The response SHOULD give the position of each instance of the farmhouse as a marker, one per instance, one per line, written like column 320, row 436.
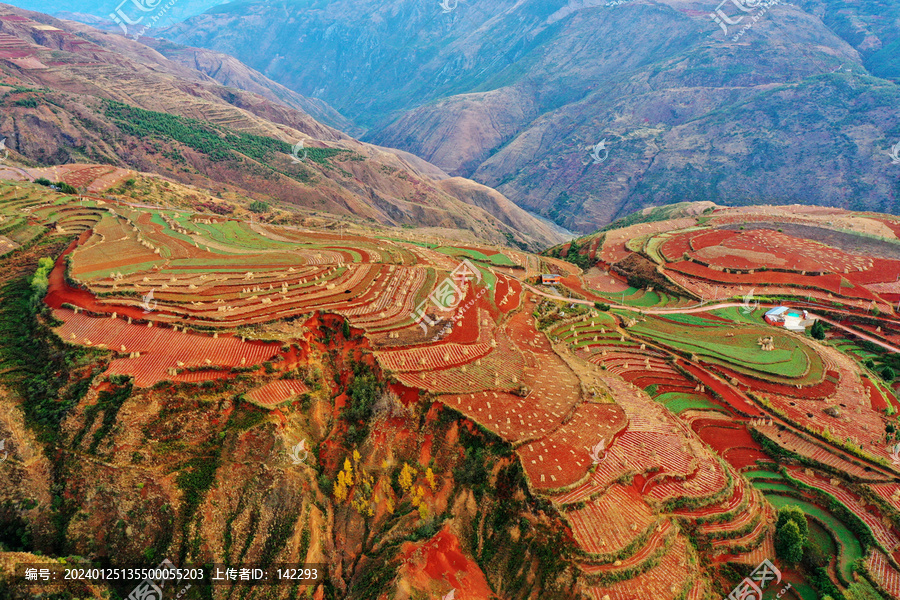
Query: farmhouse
column 789, row 318
column 550, row 279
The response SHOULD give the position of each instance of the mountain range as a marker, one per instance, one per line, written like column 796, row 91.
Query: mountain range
column 75, row 94
column 792, row 103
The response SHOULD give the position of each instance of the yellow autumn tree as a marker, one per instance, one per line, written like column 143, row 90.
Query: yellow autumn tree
column 348, row 469
column 429, row 477
column 407, row 475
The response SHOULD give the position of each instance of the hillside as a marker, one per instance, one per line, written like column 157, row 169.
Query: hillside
column 422, row 419
column 73, row 94
column 796, row 108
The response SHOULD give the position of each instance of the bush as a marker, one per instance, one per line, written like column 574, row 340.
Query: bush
column 818, row 330
column 791, row 533
column 259, row 206
column 601, row 306
column 65, row 188
column 43, row 181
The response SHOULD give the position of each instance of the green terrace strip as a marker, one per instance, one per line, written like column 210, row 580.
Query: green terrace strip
column 217, row 143
column 851, row 550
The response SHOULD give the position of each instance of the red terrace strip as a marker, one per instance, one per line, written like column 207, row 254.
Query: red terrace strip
column 611, row 522
column 875, row 395
column 884, row 573
column 722, row 435
column 657, row 582
column 824, row 389
column 161, row 348
column 729, row 396
column 654, row 544
column 277, row 392
column 829, row 283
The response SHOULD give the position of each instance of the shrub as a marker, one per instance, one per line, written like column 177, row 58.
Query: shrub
column 818, row 330
column 791, row 532
column 258, row 206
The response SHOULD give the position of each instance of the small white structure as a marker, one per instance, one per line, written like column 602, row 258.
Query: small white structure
column 789, row 318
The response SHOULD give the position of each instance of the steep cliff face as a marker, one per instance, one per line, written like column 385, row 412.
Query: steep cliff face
column 518, row 95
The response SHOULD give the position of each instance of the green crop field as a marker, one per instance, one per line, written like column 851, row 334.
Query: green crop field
column 678, row 402
column 498, row 259
column 790, row 362
column 851, row 550
column 755, row 474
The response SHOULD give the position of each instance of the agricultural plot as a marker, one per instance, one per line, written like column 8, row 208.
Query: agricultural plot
column 851, row 550
column 275, row 393
column 670, row 578
column 612, row 522
column 153, row 354
column 882, row 532
column 884, row 573
column 739, row 349
column 817, row 453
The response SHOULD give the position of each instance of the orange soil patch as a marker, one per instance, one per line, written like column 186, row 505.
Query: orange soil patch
column 439, row 565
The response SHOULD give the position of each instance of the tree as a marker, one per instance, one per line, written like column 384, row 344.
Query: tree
column 791, row 532
column 258, row 206
column 818, row 330
column 346, row 329
column 601, row 306
column 888, row 374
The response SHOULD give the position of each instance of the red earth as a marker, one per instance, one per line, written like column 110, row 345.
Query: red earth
column 439, row 566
